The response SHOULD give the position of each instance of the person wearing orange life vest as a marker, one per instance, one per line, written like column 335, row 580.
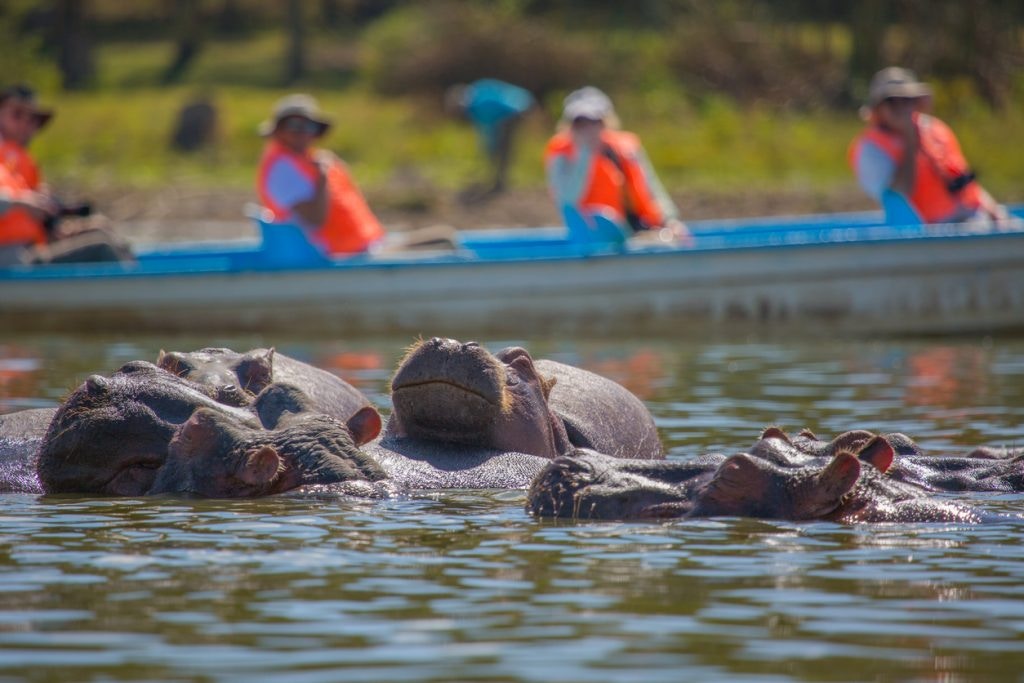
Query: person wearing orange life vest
column 24, row 205
column 910, row 162
column 595, row 170
column 29, row 229
column 310, row 187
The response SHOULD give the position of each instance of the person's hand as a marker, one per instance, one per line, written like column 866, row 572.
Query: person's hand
column 676, row 231
column 39, row 206
column 902, row 120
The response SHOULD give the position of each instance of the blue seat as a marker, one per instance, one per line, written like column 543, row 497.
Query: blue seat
column 285, row 245
column 594, row 230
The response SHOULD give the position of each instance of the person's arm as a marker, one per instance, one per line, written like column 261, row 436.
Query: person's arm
column 290, row 188
column 38, row 206
column 905, row 173
column 313, row 211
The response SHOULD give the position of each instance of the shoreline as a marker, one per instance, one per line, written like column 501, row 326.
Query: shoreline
column 184, row 212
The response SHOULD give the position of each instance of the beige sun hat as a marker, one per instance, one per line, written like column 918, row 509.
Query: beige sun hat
column 895, row 81
column 587, row 103
column 299, row 104
column 26, row 94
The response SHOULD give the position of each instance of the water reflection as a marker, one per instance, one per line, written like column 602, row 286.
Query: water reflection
column 462, row 585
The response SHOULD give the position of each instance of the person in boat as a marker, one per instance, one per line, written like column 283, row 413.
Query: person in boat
column 910, row 162
column 301, row 184
column 601, row 179
column 31, row 227
column 495, row 108
column 310, row 187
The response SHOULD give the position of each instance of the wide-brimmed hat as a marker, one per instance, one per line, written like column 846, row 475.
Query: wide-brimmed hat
column 587, row 103
column 28, row 95
column 304, row 106
column 895, row 81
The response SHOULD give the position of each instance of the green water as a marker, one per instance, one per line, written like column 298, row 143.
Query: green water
column 464, row 586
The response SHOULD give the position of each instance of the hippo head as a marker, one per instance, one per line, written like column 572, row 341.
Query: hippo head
column 777, row 447
column 746, row 486
column 229, row 377
column 589, row 485
column 454, row 392
column 111, row 435
column 586, row 484
column 214, row 454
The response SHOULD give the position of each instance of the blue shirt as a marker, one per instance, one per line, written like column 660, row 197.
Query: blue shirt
column 489, row 102
column 287, row 185
column 875, row 170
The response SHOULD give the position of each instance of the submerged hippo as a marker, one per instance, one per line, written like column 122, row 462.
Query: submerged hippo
column 846, row 489
column 464, row 417
column 214, row 454
column 982, row 469
column 21, row 437
column 112, row 435
column 236, row 378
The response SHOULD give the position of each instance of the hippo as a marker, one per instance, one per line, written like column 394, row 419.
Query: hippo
column 236, row 378
column 213, row 454
column 21, row 436
column 111, row 436
column 847, row 489
column 466, row 418
column 983, row 468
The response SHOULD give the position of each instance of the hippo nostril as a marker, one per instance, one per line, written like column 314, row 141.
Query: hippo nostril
column 436, row 341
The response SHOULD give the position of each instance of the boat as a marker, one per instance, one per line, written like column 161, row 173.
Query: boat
column 835, row 274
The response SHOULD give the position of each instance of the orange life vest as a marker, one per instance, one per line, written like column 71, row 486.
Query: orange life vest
column 349, row 227
column 940, row 168
column 19, row 162
column 16, row 225
column 617, row 181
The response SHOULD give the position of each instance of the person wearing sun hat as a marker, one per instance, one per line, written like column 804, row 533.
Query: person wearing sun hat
column 31, row 229
column 596, row 171
column 910, row 162
column 310, row 187
column 24, row 196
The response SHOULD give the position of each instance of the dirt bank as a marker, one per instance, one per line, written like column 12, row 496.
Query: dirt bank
column 185, row 212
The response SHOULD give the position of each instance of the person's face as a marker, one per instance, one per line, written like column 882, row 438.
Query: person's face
column 894, row 110
column 586, row 132
column 18, row 121
column 297, row 133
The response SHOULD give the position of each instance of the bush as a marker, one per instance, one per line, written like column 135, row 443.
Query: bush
column 426, row 47
column 745, row 62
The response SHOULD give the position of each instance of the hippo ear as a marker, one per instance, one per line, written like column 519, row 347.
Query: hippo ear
column 171, row 362
column 260, row 466
column 734, row 482
column 774, row 432
column 878, row 452
column 364, row 425
column 256, row 370
column 841, row 474
column 807, row 434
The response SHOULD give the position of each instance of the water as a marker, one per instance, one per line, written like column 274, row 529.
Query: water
column 464, row 586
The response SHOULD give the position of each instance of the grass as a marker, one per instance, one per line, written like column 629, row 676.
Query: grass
column 118, row 134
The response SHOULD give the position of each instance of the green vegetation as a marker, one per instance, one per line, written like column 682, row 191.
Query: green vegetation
column 715, row 107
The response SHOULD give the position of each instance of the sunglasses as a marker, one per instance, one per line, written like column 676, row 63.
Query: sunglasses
column 301, row 126
column 899, row 101
column 21, row 113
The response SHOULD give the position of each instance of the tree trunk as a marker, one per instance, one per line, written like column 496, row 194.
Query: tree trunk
column 295, row 66
column 188, row 24
column 74, row 56
column 867, row 33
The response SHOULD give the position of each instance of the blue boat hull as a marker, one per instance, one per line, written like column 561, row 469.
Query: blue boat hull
column 835, row 274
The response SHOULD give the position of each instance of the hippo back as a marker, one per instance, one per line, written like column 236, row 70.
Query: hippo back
column 21, row 436
column 601, row 414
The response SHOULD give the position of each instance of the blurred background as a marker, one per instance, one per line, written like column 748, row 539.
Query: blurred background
column 746, row 107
